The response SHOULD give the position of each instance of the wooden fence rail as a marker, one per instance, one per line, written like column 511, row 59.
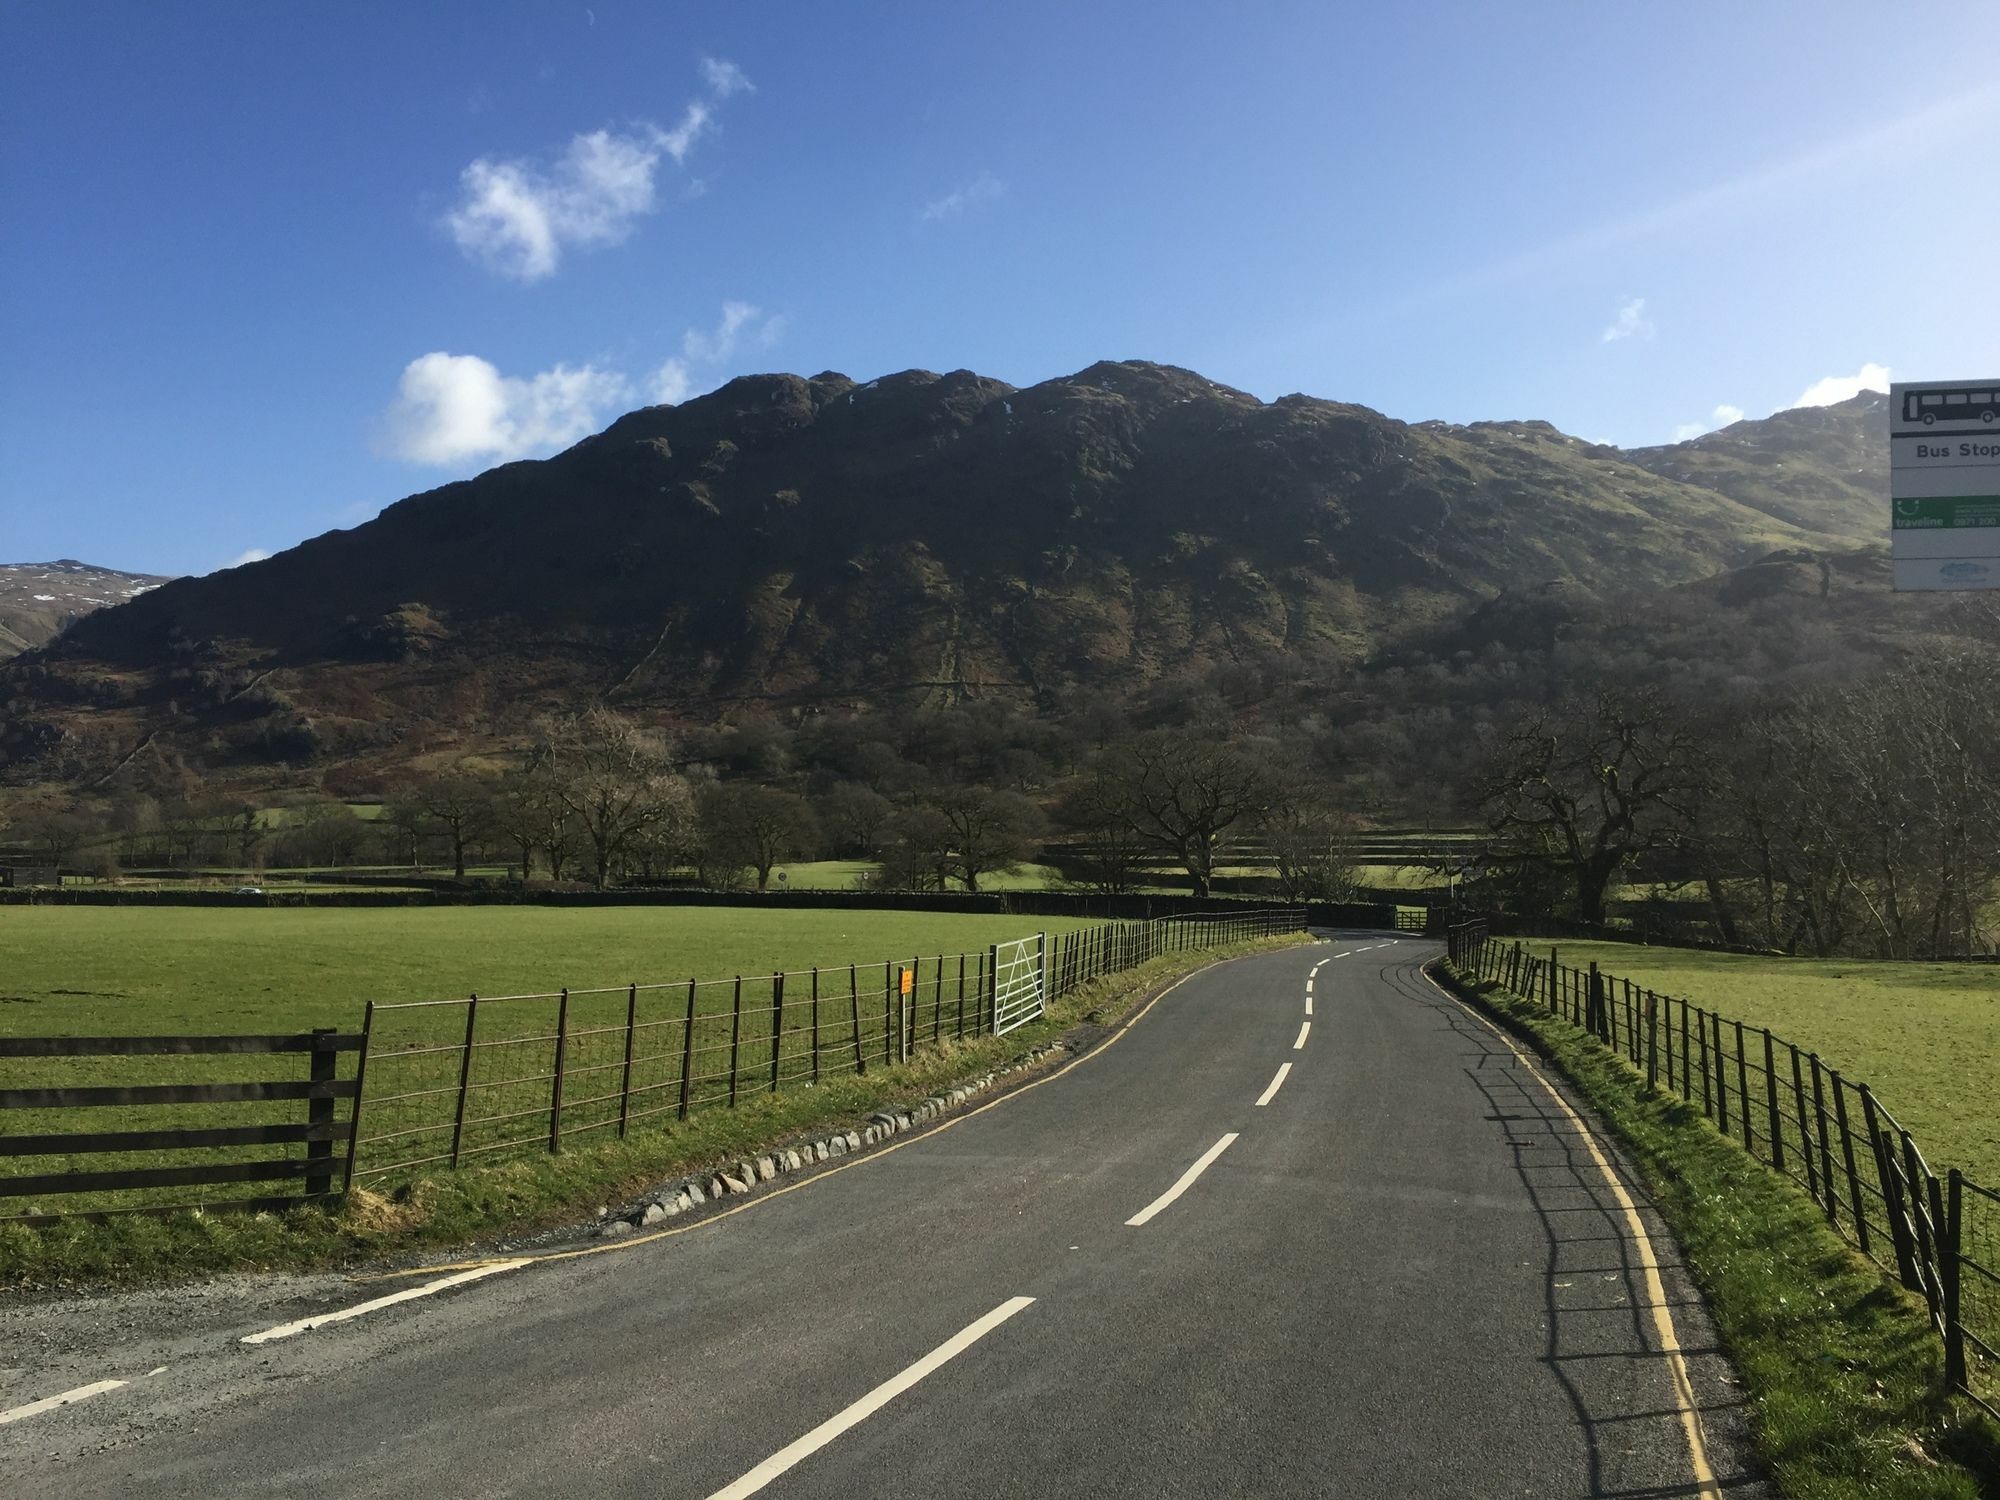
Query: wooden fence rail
column 320, row 1131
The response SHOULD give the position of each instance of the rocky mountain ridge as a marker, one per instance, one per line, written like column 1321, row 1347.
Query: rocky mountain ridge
column 918, row 538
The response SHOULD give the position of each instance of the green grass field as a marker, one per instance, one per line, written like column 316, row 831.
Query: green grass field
column 1924, row 1036
column 87, row 970
column 111, row 971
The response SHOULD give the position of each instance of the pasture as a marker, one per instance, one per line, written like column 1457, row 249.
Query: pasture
column 131, row 971
column 1924, row 1036
column 112, row 970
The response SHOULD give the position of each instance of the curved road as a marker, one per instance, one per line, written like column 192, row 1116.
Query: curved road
column 1406, row 1269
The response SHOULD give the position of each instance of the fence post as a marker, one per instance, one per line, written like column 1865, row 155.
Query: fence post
column 854, row 1009
column 360, row 1079
column 1921, row 1226
column 687, row 1054
column 777, row 1024
column 1825, row 1154
column 1701, row 1030
column 1721, row 1079
column 464, row 1076
column 1857, row 1210
column 937, row 1001
column 1743, row 1091
column 892, row 1020
column 1805, row 1129
column 324, row 1069
column 992, row 989
column 1774, row 1114
column 961, row 997
column 1954, row 1331
column 625, row 1079
column 1687, row 1058
column 735, row 1037
column 815, row 1006
column 1652, row 1040
column 556, row 1084
column 1899, row 1231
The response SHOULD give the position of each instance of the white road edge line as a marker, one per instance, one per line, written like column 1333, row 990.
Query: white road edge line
column 67, row 1398
column 1276, row 1083
column 790, row 1455
column 307, row 1325
column 1187, row 1178
column 1304, row 1027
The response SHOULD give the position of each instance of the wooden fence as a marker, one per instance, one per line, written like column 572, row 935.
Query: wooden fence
column 200, row 1128
column 1795, row 1112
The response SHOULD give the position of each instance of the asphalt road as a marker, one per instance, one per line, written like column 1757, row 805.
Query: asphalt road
column 1409, row 1273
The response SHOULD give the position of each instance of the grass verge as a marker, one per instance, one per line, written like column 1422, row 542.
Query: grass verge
column 538, row 1191
column 1843, row 1376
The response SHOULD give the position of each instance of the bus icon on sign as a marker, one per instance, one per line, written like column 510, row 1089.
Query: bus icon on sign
column 1929, row 407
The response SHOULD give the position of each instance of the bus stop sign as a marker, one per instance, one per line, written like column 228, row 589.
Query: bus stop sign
column 1944, row 484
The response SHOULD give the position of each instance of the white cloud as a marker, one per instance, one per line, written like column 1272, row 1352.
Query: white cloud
column 249, row 555
column 1631, row 322
column 725, row 78
column 1722, row 416
column 695, row 119
column 519, row 216
column 518, row 219
column 454, row 408
column 1870, row 377
column 982, row 189
column 738, row 319
column 671, row 384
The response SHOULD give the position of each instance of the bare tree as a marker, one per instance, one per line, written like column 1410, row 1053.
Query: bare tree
column 616, row 778
column 755, row 826
column 986, row 832
column 460, row 804
column 1181, row 791
column 1589, row 784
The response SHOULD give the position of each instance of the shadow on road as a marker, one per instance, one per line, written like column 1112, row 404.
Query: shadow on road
column 1601, row 1347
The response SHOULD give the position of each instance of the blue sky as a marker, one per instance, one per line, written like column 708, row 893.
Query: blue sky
column 268, row 268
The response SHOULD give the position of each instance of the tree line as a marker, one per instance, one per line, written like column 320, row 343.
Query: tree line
column 605, row 798
column 1858, row 816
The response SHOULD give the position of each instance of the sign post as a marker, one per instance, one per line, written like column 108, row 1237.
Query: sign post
column 1944, row 484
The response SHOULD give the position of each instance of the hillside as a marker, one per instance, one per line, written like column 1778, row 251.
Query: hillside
column 38, row 599
column 1815, row 466
column 921, row 537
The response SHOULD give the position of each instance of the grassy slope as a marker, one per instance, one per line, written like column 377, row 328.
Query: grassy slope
column 84, row 970
column 1840, row 1367
column 1925, row 1037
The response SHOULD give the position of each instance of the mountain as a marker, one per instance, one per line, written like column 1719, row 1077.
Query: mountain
column 917, row 538
column 38, row 599
column 1813, row 466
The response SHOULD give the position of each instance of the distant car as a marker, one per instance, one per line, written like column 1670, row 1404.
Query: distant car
column 249, row 890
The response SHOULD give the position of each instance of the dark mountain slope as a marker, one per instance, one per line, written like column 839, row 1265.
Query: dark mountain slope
column 921, row 534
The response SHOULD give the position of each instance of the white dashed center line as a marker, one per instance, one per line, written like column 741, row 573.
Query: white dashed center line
column 1186, row 1181
column 66, row 1398
column 1304, row 1027
column 307, row 1325
column 1275, row 1084
column 792, row 1454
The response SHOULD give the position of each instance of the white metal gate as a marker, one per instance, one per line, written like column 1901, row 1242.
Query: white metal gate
column 1020, row 990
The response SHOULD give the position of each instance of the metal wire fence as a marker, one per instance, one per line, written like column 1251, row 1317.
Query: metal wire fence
column 446, row 1082
column 1798, row 1114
